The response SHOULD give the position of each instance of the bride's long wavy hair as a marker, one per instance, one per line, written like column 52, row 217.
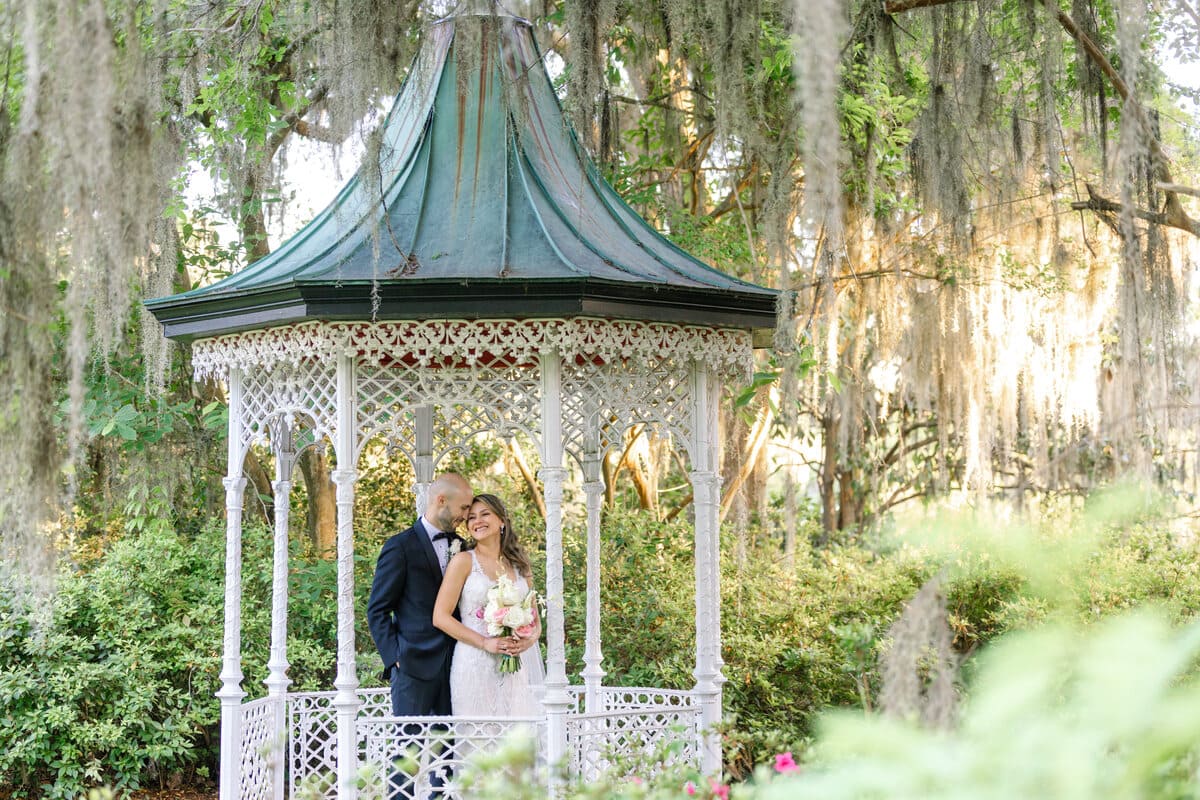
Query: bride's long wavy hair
column 510, row 544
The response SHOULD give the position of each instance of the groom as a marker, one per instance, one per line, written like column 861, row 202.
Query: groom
column 416, row 655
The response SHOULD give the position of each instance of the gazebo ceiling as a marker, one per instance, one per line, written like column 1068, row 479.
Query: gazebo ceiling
column 483, row 205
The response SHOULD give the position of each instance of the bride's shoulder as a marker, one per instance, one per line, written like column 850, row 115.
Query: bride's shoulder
column 460, row 560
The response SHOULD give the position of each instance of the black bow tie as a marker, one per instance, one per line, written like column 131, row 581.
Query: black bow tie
column 443, row 535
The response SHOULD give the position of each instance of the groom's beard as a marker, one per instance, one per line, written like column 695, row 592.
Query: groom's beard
column 445, row 521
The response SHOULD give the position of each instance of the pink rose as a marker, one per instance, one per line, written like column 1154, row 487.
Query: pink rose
column 479, row 613
column 719, row 789
column 526, row 631
column 499, row 614
column 689, row 789
column 784, row 763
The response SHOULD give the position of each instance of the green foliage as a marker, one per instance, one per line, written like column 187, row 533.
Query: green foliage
column 1111, row 713
column 1056, row 713
column 113, row 680
column 795, row 641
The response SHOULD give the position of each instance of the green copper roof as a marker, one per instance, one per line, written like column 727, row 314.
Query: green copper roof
column 483, row 205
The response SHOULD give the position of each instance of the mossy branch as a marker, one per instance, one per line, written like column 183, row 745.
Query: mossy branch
column 1173, row 214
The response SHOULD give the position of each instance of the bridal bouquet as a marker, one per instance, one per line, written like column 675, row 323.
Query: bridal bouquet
column 508, row 613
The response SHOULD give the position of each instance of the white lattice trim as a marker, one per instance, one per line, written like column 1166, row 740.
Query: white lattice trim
column 467, row 342
column 638, row 721
column 260, row 743
column 597, row 742
column 428, row 756
column 618, row 698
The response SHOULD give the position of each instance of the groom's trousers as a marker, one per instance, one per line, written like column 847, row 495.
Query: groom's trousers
column 414, row 697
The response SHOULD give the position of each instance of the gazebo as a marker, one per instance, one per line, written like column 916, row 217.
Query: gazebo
column 477, row 277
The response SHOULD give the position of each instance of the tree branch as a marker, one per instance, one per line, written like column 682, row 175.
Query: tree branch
column 731, row 200
column 1178, row 188
column 1103, row 205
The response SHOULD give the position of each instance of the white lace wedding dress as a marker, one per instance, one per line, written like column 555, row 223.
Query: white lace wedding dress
column 477, row 687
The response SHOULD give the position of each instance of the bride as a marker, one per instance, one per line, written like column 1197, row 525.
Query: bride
column 477, row 686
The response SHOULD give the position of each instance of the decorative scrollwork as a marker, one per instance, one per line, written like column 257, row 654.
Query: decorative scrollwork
column 475, row 377
column 455, row 343
column 502, row 398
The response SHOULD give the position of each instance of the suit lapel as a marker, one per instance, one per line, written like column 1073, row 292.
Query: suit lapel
column 427, row 548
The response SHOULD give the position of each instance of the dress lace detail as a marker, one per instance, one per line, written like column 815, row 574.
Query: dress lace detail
column 477, row 687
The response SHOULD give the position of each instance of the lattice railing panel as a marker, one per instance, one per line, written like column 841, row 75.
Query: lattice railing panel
column 376, row 703
column 617, row 698
column 420, row 755
column 596, row 742
column 312, row 755
column 636, row 721
column 260, row 745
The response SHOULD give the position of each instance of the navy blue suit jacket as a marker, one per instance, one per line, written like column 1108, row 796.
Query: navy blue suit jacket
column 400, row 610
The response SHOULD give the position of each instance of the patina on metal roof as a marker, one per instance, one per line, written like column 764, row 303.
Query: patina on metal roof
column 484, row 205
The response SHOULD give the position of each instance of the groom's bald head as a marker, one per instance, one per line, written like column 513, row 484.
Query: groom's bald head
column 447, row 501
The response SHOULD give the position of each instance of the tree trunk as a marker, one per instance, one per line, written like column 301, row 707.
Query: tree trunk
column 829, row 498
column 747, row 459
column 518, row 458
column 321, row 519
column 261, row 500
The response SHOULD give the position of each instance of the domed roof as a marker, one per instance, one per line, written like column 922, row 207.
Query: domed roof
column 481, row 204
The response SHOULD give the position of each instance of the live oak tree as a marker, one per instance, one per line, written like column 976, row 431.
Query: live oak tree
column 980, row 212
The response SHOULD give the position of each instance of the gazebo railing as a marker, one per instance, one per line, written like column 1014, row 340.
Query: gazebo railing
column 260, row 748
column 633, row 722
column 419, row 753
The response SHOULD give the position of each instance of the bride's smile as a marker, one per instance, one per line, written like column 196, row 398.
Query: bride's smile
column 482, row 523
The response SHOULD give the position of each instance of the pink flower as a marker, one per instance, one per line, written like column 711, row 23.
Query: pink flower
column 499, row 614
column 784, row 763
column 689, row 789
column 479, row 613
column 526, row 631
column 719, row 789
column 636, row 781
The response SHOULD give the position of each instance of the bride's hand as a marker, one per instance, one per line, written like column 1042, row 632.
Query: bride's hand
column 491, row 644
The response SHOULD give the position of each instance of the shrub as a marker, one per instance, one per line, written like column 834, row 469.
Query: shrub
column 112, row 679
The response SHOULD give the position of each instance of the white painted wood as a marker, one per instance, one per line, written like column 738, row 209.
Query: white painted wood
column 277, row 680
column 593, row 674
column 421, row 386
column 346, row 699
column 231, row 692
column 553, row 475
column 705, row 486
column 423, row 459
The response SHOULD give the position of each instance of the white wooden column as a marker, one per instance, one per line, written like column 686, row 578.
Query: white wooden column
column 346, row 701
column 706, row 488
column 557, row 701
column 593, row 674
column 277, row 680
column 423, row 462
column 231, row 693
